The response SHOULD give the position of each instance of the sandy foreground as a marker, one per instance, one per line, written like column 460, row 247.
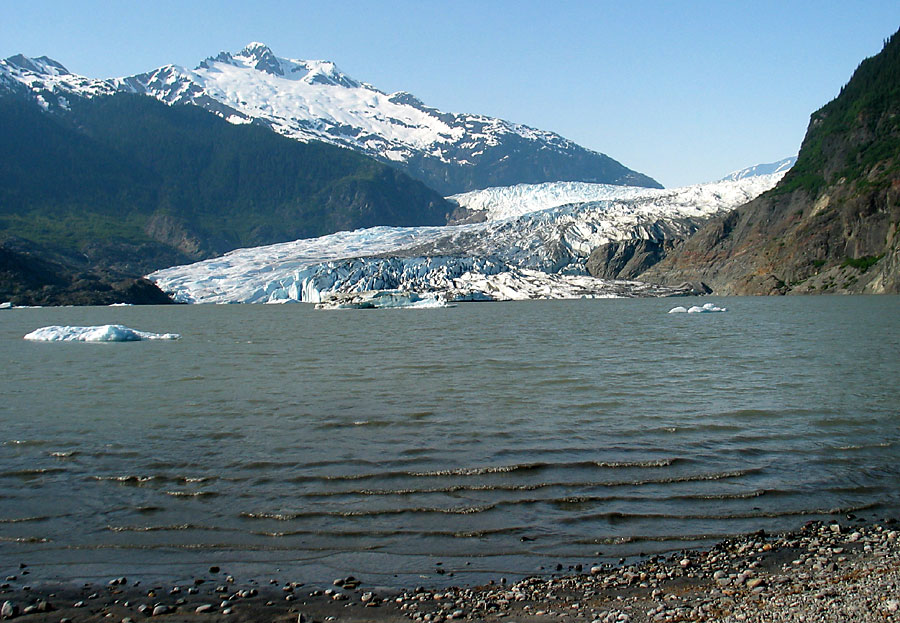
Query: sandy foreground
column 824, row 572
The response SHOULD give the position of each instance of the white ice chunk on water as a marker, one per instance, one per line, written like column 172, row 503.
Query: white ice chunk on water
column 382, row 299
column 101, row 333
column 706, row 308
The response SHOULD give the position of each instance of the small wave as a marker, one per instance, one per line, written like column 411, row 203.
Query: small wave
column 28, row 473
column 489, row 469
column 64, row 455
column 464, row 510
column 194, row 479
column 149, row 509
column 169, row 528
column 24, row 539
column 356, row 534
column 191, row 494
column 365, row 462
column 524, row 467
column 673, row 538
column 536, row 486
column 372, row 423
column 884, row 444
column 26, row 442
column 125, row 480
column 615, row 516
column 12, row 520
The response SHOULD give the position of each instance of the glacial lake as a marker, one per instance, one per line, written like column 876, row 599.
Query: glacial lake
column 439, row 446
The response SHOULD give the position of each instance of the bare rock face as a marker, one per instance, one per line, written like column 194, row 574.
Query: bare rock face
column 626, row 259
column 842, row 241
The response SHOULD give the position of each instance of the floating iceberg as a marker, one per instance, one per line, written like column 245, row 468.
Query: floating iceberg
column 382, row 299
column 102, row 333
column 707, row 308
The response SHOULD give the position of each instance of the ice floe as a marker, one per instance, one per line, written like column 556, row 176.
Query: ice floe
column 696, row 309
column 101, row 333
column 382, row 299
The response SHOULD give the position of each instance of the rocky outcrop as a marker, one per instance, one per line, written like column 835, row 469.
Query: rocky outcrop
column 626, row 259
column 833, row 222
column 26, row 279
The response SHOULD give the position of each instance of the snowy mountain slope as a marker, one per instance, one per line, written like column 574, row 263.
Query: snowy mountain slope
column 538, row 253
column 47, row 82
column 314, row 100
column 781, row 166
column 513, row 201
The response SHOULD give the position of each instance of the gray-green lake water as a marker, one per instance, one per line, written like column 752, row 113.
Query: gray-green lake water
column 496, row 439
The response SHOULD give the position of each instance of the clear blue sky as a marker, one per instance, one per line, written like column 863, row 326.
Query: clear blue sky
column 684, row 91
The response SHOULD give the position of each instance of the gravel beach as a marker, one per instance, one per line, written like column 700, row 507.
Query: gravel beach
column 823, row 572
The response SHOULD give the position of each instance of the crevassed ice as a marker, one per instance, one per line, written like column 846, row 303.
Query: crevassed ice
column 100, row 333
column 538, row 253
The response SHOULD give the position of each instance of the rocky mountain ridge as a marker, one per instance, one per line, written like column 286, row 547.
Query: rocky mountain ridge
column 314, row 100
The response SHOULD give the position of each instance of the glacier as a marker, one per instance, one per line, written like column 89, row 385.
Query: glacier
column 533, row 242
column 100, row 333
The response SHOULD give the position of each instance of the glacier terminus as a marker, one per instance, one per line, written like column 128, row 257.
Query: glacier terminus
column 532, row 242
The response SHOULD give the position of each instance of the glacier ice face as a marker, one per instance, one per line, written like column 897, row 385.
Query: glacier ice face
column 540, row 252
column 101, row 333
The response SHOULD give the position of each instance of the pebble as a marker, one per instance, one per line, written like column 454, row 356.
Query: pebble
column 813, row 574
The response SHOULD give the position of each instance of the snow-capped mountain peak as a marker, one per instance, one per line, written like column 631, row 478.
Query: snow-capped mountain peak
column 47, row 82
column 260, row 57
column 780, row 166
column 42, row 65
column 314, row 100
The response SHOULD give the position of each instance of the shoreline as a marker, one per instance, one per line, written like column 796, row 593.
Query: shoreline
column 827, row 571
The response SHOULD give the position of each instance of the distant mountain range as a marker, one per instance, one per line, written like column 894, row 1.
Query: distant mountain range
column 780, row 166
column 314, row 100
